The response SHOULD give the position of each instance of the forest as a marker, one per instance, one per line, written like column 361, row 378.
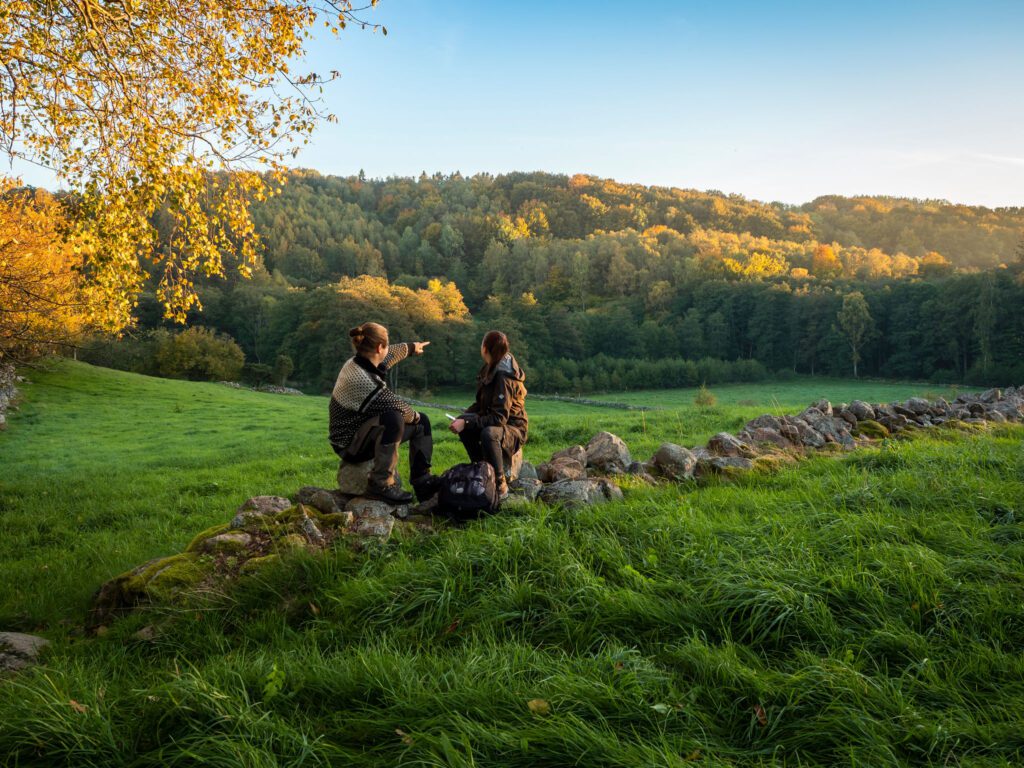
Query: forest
column 605, row 286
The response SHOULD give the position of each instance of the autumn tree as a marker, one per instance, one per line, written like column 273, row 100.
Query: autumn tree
column 856, row 324
column 143, row 106
column 42, row 302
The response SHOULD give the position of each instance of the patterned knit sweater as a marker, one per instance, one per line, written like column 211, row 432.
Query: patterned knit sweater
column 361, row 393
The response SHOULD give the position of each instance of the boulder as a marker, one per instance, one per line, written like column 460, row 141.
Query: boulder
column 805, row 434
column 831, row 429
column 353, row 478
column 232, row 541
column 528, row 471
column 724, row 444
column 608, row 453
column 364, row 508
column 765, row 435
column 258, row 507
column 674, row 462
column 576, row 453
column 918, row 405
column 1008, row 410
column 991, row 396
column 321, row 499
column 561, row 468
column 765, row 421
column 861, row 410
column 575, row 493
column 824, row 406
column 310, row 529
column 527, row 488
column 375, row 527
column 848, row 416
column 18, row 651
column 722, row 465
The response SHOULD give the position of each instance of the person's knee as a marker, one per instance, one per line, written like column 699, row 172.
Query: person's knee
column 424, row 423
column 392, row 423
column 492, row 435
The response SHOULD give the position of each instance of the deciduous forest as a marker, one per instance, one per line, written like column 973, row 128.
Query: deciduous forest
column 607, row 286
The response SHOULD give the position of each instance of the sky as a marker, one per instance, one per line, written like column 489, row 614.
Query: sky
column 775, row 100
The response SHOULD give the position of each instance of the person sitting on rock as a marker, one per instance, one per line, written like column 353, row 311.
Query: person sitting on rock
column 369, row 421
column 496, row 423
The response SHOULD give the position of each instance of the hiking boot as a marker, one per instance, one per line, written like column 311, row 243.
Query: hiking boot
column 392, row 494
column 426, row 487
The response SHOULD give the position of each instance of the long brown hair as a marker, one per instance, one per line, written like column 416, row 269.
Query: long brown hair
column 367, row 337
column 496, row 344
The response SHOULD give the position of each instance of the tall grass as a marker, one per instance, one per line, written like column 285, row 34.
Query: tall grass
column 860, row 610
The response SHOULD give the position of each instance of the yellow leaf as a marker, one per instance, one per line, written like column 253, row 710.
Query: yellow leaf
column 539, row 706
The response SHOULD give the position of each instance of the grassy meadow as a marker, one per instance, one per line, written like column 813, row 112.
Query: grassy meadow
column 866, row 609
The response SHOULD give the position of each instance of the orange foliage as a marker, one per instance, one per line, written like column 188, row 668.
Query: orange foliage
column 42, row 304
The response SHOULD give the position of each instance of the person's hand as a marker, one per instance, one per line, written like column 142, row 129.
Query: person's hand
column 419, row 346
column 457, row 426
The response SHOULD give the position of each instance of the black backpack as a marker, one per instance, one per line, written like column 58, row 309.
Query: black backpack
column 468, row 491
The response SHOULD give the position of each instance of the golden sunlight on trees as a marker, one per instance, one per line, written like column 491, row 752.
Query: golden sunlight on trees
column 42, row 304
column 143, row 106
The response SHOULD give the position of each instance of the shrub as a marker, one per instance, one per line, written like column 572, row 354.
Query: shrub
column 704, row 398
column 199, row 354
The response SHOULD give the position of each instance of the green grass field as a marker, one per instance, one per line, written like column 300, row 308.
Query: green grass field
column 860, row 610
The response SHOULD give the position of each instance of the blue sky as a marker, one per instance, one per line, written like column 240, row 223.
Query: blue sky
column 772, row 100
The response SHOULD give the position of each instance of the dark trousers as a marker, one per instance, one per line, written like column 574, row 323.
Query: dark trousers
column 490, row 444
column 390, row 430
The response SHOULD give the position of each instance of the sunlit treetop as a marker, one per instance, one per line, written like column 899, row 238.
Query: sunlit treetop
column 138, row 104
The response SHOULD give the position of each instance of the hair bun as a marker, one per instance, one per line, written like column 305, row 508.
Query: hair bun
column 356, row 332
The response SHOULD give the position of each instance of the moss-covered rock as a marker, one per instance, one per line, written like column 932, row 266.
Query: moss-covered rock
column 871, row 429
column 209, row 533
column 255, row 564
column 171, row 578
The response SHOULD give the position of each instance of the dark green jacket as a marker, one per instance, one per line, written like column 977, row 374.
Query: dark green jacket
column 500, row 398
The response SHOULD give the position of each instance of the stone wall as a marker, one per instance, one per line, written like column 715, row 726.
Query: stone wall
column 264, row 528
column 8, row 391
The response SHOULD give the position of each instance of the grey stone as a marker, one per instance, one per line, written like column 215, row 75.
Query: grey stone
column 561, row 468
column 848, row 416
column 364, row 508
column 1009, row 410
column 995, row 416
column 674, row 461
column 574, row 493
column 830, row 428
column 765, row 421
column 353, row 479
column 527, row 488
column 824, row 406
column 311, row 530
column 806, row 435
column 257, row 507
column 863, row 411
column 18, row 650
column 764, row 435
column 326, row 501
column 716, row 465
column 375, row 527
column 990, row 396
column 528, row 471
column 576, row 452
column 230, row 540
column 607, row 453
column 918, row 405
column 724, row 444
